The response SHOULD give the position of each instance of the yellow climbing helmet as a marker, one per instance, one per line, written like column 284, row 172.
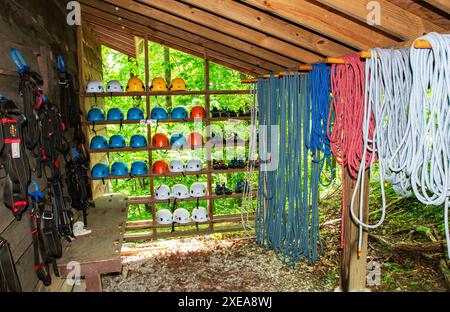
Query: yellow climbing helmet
column 159, row 85
column 135, row 85
column 178, row 84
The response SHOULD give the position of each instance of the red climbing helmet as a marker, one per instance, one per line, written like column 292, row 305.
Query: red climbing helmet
column 195, row 140
column 160, row 167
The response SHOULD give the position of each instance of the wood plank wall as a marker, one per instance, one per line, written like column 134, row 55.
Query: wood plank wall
column 39, row 30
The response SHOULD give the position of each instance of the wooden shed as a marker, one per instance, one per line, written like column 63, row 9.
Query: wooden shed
column 261, row 39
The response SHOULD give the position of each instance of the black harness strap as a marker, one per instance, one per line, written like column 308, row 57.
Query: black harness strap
column 8, row 275
column 14, row 159
column 41, row 258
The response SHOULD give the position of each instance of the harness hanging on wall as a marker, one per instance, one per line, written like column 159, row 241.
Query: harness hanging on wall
column 285, row 221
column 13, row 158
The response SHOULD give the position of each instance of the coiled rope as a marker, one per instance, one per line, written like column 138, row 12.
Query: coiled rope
column 347, row 110
column 286, row 219
column 430, row 124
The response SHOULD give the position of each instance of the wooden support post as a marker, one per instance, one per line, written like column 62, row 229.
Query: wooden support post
column 149, row 132
column 208, row 147
column 354, row 267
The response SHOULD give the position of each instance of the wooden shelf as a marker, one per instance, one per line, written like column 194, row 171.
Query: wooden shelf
column 173, row 174
column 168, row 93
column 151, row 148
column 165, row 121
column 142, row 200
column 148, row 224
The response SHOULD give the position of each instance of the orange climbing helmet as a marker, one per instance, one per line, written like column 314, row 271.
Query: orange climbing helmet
column 159, row 84
column 178, row 84
column 160, row 167
column 198, row 112
column 195, row 140
column 135, row 85
column 160, row 140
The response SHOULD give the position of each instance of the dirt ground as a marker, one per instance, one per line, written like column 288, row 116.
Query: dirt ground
column 212, row 263
column 235, row 262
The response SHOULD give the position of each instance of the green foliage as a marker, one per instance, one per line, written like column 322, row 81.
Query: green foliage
column 117, row 66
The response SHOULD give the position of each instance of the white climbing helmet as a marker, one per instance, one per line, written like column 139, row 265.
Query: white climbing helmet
column 180, row 191
column 114, row 86
column 199, row 214
column 162, row 192
column 198, row 189
column 181, row 216
column 176, row 165
column 195, row 164
column 164, row 217
column 94, row 86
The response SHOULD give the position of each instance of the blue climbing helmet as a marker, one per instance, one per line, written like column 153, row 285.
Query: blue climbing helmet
column 180, row 112
column 100, row 171
column 135, row 113
column 159, row 113
column 139, row 168
column 115, row 114
column 138, row 140
column 99, row 142
column 119, row 169
column 117, row 141
column 178, row 140
column 96, row 114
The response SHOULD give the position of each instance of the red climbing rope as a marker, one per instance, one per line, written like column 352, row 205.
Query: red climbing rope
column 347, row 108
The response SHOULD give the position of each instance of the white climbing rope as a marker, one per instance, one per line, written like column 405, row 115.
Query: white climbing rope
column 410, row 102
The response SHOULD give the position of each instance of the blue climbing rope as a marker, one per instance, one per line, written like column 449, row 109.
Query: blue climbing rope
column 287, row 219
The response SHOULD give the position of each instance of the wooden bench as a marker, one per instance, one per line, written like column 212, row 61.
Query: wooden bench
column 99, row 252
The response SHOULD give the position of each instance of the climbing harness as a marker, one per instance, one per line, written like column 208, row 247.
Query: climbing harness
column 13, row 158
column 36, row 208
column 30, row 88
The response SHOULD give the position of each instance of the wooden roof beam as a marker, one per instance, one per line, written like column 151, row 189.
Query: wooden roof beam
column 323, row 21
column 273, row 26
column 195, row 39
column 393, row 19
column 204, row 32
column 236, row 30
column 443, row 5
column 98, row 17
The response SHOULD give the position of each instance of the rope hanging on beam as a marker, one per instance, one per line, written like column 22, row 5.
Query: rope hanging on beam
column 347, row 110
column 287, row 219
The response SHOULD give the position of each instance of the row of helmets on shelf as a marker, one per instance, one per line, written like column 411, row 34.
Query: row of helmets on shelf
column 120, row 169
column 135, row 84
column 180, row 191
column 181, row 216
column 159, row 140
column 136, row 113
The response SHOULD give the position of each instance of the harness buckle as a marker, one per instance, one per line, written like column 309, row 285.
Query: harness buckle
column 47, row 215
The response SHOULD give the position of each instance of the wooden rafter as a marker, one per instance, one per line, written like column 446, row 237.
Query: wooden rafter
column 393, row 19
column 233, row 29
column 158, row 26
column 204, row 32
column 324, row 21
column 272, row 25
column 443, row 5
column 142, row 31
